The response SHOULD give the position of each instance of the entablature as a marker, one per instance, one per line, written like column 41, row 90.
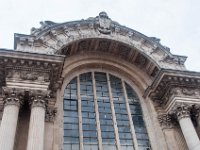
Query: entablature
column 172, row 86
column 30, row 70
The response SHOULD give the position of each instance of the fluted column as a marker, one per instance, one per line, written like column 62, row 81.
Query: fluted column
column 36, row 126
column 9, row 122
column 187, row 127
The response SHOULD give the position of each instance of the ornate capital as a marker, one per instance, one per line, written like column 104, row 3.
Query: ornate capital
column 13, row 97
column 182, row 111
column 38, row 101
column 166, row 121
column 50, row 114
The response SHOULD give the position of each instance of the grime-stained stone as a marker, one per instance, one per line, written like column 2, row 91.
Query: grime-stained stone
column 35, row 74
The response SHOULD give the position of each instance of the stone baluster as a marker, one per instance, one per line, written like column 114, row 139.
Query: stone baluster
column 36, row 125
column 9, row 122
column 187, row 127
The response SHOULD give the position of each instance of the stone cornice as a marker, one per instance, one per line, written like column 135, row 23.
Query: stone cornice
column 52, row 37
column 166, row 81
column 21, row 67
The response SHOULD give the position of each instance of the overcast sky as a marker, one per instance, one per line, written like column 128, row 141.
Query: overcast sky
column 175, row 22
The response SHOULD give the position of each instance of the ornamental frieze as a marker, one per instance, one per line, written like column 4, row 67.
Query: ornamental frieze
column 28, row 75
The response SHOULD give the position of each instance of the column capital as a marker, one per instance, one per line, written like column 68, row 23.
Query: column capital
column 38, row 98
column 181, row 110
column 13, row 97
column 50, row 114
column 38, row 101
column 167, row 121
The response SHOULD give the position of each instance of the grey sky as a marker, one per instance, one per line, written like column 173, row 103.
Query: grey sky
column 175, row 22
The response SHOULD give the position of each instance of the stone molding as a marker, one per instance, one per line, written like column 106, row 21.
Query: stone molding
column 171, row 83
column 52, row 37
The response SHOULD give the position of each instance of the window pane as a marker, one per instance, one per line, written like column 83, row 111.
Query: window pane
column 137, row 117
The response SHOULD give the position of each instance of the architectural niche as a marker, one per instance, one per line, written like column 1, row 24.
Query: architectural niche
column 95, row 84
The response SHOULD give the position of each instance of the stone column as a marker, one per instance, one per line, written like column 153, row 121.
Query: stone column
column 9, row 122
column 36, row 125
column 187, row 127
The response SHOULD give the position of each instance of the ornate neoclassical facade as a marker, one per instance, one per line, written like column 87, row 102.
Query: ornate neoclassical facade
column 96, row 85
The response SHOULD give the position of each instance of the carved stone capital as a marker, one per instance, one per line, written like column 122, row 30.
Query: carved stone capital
column 182, row 111
column 50, row 114
column 38, row 101
column 167, row 121
column 13, row 97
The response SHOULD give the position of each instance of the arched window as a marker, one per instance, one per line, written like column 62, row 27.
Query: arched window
column 101, row 110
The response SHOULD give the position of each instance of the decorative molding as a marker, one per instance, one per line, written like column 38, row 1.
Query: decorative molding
column 174, row 85
column 97, row 27
column 27, row 75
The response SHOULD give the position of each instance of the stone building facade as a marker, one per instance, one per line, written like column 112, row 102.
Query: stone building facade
column 94, row 84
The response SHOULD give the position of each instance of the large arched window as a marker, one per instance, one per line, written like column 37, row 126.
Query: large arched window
column 101, row 111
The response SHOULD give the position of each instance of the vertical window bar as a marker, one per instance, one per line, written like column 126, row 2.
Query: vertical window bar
column 113, row 114
column 97, row 113
column 130, row 118
column 79, row 114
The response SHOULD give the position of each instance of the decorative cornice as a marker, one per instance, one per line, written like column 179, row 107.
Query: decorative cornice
column 19, row 66
column 99, row 27
column 170, row 83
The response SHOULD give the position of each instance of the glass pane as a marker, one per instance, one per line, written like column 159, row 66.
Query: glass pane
column 121, row 113
column 105, row 115
column 137, row 117
column 71, row 130
column 88, row 112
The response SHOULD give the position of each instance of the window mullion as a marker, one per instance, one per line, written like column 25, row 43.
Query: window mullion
column 135, row 143
column 113, row 114
column 97, row 113
column 80, row 114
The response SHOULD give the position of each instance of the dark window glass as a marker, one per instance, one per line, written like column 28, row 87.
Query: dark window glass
column 88, row 110
column 140, row 128
column 71, row 131
column 120, row 111
column 71, row 120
